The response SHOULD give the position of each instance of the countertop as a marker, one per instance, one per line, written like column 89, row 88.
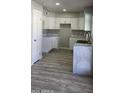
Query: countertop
column 50, row 36
column 82, row 44
column 78, row 37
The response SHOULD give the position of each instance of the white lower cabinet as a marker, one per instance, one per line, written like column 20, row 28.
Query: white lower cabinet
column 49, row 43
column 55, row 42
column 45, row 44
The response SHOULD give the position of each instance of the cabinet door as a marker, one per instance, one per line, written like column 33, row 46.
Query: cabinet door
column 49, row 44
column 46, row 23
column 74, row 23
column 56, row 42
column 81, row 23
column 51, row 23
column 57, row 23
column 68, row 20
column 44, row 19
column 52, row 42
column 45, row 45
column 62, row 20
column 65, row 20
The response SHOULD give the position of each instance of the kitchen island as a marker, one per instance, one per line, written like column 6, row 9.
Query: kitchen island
column 82, row 59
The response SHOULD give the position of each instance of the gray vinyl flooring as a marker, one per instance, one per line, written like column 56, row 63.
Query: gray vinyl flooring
column 53, row 74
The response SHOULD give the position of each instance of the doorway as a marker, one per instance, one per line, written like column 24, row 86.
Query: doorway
column 65, row 33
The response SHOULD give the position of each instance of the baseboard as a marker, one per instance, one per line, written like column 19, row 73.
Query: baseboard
column 64, row 48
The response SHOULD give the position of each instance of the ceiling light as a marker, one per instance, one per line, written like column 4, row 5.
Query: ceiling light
column 57, row 3
column 64, row 10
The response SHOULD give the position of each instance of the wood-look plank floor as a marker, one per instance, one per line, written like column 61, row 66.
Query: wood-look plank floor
column 54, row 73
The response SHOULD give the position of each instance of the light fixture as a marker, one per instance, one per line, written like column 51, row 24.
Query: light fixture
column 57, row 3
column 64, row 10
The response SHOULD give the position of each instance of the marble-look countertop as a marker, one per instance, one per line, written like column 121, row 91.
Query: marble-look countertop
column 82, row 44
column 50, row 36
column 78, row 37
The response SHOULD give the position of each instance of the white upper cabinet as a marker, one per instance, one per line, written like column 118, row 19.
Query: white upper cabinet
column 65, row 21
column 57, row 23
column 68, row 20
column 74, row 23
column 62, row 20
column 46, row 22
column 81, row 23
column 49, row 22
column 77, row 23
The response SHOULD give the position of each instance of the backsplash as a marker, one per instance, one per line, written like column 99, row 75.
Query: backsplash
column 50, row 32
column 87, row 35
column 77, row 33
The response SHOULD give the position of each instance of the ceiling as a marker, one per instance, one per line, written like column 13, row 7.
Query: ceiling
column 70, row 5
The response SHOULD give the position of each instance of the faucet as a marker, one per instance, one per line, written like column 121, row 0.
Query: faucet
column 81, row 33
column 89, row 37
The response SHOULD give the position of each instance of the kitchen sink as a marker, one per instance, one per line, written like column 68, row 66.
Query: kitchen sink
column 83, row 41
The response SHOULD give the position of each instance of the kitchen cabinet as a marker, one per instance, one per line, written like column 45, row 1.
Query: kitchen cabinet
column 61, row 21
column 65, row 21
column 74, row 23
column 68, row 20
column 49, row 43
column 57, row 23
column 46, row 44
column 49, row 23
column 55, row 41
column 54, row 23
column 46, row 22
column 81, row 23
